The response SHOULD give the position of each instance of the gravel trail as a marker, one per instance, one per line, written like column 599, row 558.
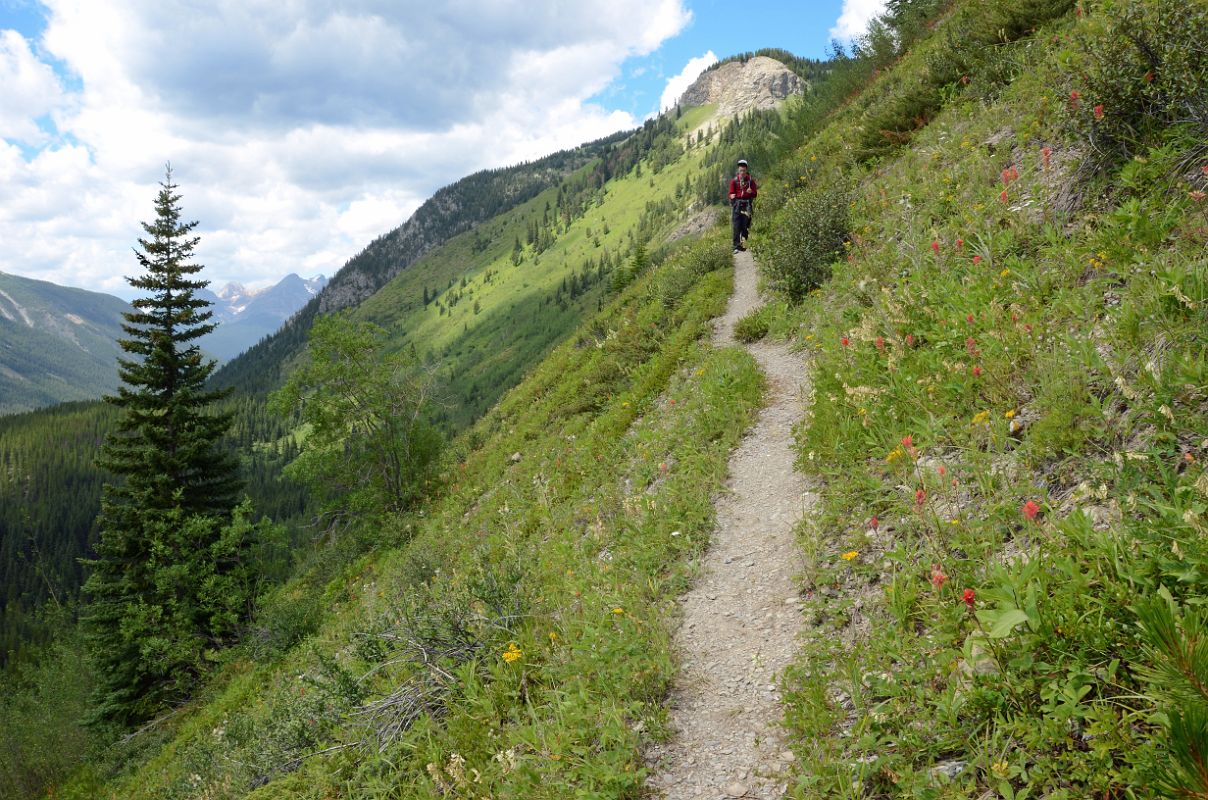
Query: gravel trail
column 741, row 620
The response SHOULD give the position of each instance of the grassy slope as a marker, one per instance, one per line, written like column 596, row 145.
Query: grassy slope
column 1036, row 356
column 484, row 352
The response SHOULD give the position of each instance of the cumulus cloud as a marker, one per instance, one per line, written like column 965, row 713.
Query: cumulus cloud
column 29, row 90
column 297, row 131
column 854, row 18
column 679, row 84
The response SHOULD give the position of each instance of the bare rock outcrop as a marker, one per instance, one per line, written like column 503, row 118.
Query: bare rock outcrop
column 739, row 86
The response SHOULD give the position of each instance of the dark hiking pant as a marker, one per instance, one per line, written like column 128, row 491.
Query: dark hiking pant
column 740, row 220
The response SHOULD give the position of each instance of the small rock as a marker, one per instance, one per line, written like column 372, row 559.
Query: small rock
column 788, row 757
column 792, row 601
column 949, row 769
column 736, row 789
column 515, row 458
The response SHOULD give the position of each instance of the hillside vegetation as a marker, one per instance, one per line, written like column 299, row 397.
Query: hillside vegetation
column 987, row 228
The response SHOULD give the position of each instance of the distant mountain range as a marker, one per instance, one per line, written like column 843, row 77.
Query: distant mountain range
column 245, row 316
column 58, row 343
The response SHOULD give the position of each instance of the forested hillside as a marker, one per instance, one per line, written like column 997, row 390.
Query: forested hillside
column 986, row 227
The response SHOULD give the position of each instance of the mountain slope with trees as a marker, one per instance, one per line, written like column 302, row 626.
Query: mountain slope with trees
column 986, row 226
column 56, row 343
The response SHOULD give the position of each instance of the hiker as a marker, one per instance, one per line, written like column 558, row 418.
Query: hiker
column 742, row 204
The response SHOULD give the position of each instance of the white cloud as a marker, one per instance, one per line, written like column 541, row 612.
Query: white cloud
column 28, row 90
column 854, row 18
column 298, row 132
column 679, row 84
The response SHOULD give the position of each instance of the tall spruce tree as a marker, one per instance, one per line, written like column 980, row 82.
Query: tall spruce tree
column 170, row 577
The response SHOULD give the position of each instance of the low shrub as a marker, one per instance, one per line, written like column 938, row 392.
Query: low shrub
column 806, row 236
column 752, row 327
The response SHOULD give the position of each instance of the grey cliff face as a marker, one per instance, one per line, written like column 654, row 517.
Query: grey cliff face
column 735, row 87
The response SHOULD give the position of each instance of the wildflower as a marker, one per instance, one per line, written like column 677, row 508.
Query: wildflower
column 981, row 417
column 977, row 371
column 937, row 576
column 1099, row 111
column 512, row 654
column 845, row 341
column 971, row 345
column 969, row 318
column 880, row 342
column 1045, row 153
column 909, row 340
column 1149, row 76
column 908, row 441
column 941, row 469
column 1198, row 196
column 1204, row 169
column 977, row 260
column 618, row 610
column 553, row 637
column 1014, row 172
column 1006, row 177
column 1004, row 273
column 1074, row 95
column 874, row 523
column 964, row 80
column 850, row 555
column 1010, row 414
column 894, row 455
column 935, row 247
column 1003, row 195
column 1030, row 509
column 920, row 497
column 968, row 598
column 960, row 243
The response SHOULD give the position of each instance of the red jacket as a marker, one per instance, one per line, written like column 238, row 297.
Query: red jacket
column 743, row 191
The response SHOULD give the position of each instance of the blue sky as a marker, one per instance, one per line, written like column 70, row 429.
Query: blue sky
column 301, row 131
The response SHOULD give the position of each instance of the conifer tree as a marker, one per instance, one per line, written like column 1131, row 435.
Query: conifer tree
column 170, row 578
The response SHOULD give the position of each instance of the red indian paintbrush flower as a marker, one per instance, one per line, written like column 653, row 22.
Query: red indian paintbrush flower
column 968, row 598
column 920, row 497
column 937, row 576
column 977, row 260
column 908, row 441
column 874, row 523
column 971, row 345
column 1074, row 95
column 880, row 342
column 1030, row 509
column 1045, row 153
column 845, row 341
column 1003, row 195
column 935, row 247
column 909, row 340
column 960, row 243
column 977, row 371
column 969, row 318
column 1099, row 111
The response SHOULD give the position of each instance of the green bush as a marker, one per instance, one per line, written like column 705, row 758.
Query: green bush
column 1136, row 69
column 753, row 326
column 806, row 236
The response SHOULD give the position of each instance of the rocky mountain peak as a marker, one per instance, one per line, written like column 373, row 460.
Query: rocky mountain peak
column 739, row 86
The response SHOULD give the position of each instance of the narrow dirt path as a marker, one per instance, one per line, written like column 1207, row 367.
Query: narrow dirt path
column 741, row 620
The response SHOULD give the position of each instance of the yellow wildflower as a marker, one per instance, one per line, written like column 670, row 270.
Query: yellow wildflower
column 1010, row 414
column 894, row 455
column 850, row 555
column 1000, row 769
column 618, row 610
column 553, row 637
column 981, row 417
column 513, row 653
column 1004, row 273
